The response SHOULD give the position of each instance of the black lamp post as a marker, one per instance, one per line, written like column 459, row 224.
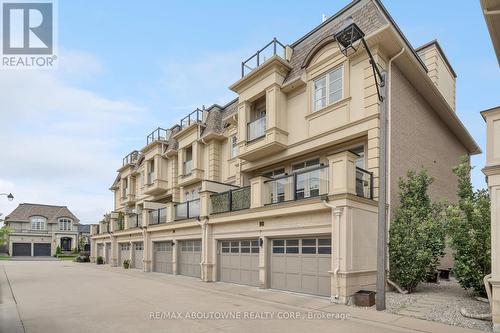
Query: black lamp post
column 9, row 196
column 346, row 37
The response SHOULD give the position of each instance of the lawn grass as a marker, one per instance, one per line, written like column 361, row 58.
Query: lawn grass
column 68, row 258
column 4, row 258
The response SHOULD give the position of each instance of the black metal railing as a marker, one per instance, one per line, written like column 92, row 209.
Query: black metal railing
column 230, row 201
column 159, row 134
column 194, row 117
column 256, row 129
column 308, row 183
column 131, row 158
column 187, row 210
column 364, row 183
column 273, row 48
column 158, row 216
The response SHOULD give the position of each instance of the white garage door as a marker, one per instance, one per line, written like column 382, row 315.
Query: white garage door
column 162, row 257
column 239, row 261
column 190, row 258
column 301, row 265
column 123, row 253
column 138, row 251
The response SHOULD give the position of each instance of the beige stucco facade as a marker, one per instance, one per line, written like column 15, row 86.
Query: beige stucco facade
column 280, row 168
column 492, row 172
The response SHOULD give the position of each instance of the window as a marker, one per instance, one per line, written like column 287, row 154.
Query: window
column 124, row 187
column 328, row 89
column 278, row 187
column 64, row 224
column 151, row 171
column 125, row 247
column 324, row 245
column 139, row 246
column 188, row 161
column 278, row 246
column 234, row 147
column 309, row 246
column 38, row 223
column 307, row 182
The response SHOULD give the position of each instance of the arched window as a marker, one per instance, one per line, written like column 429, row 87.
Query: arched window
column 64, row 224
column 38, row 223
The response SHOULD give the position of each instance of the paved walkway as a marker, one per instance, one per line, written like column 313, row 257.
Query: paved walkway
column 70, row 297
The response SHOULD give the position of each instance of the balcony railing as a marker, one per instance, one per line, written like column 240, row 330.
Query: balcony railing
column 256, row 129
column 194, row 117
column 187, row 167
column 131, row 158
column 230, row 201
column 120, row 225
column 273, row 48
column 135, row 221
column 104, row 228
column 364, row 183
column 159, row 134
column 297, row 186
column 187, row 210
column 158, row 216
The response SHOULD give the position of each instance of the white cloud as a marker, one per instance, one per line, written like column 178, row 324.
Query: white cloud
column 60, row 144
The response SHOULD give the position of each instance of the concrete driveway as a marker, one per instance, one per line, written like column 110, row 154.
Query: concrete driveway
column 69, row 297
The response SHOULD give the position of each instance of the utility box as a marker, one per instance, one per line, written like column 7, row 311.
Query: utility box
column 365, row 298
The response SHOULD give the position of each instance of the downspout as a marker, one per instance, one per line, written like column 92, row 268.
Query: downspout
column 204, row 244
column 336, row 213
column 389, row 114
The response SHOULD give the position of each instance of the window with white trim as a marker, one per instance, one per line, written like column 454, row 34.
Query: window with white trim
column 38, row 223
column 64, row 224
column 328, row 88
column 234, row 147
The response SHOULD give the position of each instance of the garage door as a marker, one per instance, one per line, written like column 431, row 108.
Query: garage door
column 162, row 257
column 108, row 253
column 123, row 253
column 138, row 251
column 41, row 250
column 239, row 261
column 301, row 265
column 21, row 249
column 100, row 250
column 190, row 258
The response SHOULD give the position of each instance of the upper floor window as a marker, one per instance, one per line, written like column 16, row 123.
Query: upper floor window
column 328, row 88
column 257, row 125
column 188, row 161
column 64, row 224
column 38, row 223
column 234, row 147
column 151, row 171
column 124, row 187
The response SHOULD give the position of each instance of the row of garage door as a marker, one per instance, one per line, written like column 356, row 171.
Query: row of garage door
column 299, row 264
column 24, row 249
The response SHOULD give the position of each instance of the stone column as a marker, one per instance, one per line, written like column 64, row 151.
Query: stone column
column 257, row 192
column 264, row 283
column 114, row 251
column 492, row 172
column 147, row 253
column 342, row 173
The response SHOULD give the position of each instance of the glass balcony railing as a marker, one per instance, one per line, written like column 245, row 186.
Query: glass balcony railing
column 364, row 183
column 230, row 201
column 150, row 177
column 135, row 220
column 187, row 210
column 256, row 129
column 188, row 167
column 297, row 186
column 159, row 134
column 273, row 48
column 158, row 216
column 131, row 158
column 194, row 117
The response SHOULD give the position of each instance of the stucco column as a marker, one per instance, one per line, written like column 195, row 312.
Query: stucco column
column 257, row 192
column 175, row 245
column 264, row 263
column 114, row 251
column 342, row 173
column 147, row 253
column 492, row 172
column 206, row 250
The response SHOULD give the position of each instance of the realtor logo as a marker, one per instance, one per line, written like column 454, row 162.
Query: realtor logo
column 28, row 29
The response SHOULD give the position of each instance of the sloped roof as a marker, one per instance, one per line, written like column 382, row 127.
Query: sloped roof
column 52, row 213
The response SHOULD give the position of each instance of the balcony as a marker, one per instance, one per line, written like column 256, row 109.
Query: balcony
column 297, row 186
column 273, row 48
column 134, row 221
column 154, row 186
column 364, row 183
column 158, row 216
column 159, row 134
column 256, row 129
column 230, row 201
column 195, row 117
column 187, row 210
column 132, row 158
column 120, row 225
column 187, row 167
column 128, row 198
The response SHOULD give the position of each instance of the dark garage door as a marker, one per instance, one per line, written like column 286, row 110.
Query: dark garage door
column 41, row 249
column 21, row 249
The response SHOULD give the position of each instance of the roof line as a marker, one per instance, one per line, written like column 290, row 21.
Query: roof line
column 37, row 204
column 438, row 46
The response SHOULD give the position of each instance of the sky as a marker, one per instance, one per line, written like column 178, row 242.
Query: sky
column 127, row 67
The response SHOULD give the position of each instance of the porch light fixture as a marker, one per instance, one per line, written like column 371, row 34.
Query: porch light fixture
column 9, row 196
column 349, row 34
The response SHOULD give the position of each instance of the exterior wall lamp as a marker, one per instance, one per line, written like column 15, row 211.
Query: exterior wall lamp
column 346, row 37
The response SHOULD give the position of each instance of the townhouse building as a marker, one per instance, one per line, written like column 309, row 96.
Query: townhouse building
column 279, row 187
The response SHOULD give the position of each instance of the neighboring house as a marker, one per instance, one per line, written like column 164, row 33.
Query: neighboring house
column 279, row 187
column 491, row 12
column 38, row 229
column 84, row 231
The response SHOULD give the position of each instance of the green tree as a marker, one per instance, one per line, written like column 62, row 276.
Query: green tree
column 4, row 235
column 469, row 229
column 81, row 243
column 417, row 234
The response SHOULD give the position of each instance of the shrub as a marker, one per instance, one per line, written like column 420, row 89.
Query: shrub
column 82, row 259
column 58, row 251
column 99, row 260
column 74, row 251
column 84, row 253
column 470, row 231
column 417, row 234
column 126, row 264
